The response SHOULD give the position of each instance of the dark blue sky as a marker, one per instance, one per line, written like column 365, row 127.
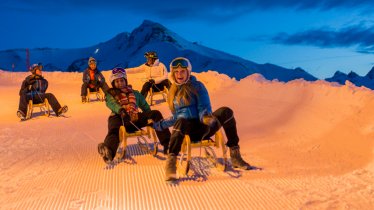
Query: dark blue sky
column 319, row 36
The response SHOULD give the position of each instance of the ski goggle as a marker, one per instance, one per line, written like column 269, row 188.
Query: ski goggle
column 152, row 56
column 118, row 70
column 179, row 62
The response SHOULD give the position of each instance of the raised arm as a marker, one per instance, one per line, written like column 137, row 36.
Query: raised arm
column 137, row 69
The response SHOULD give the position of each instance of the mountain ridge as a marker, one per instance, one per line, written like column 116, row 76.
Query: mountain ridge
column 353, row 77
column 127, row 50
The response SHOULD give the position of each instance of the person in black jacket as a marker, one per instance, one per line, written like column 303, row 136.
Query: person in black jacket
column 93, row 79
column 34, row 88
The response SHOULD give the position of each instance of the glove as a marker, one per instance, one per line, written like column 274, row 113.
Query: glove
column 210, row 120
column 123, row 113
column 151, row 81
column 133, row 116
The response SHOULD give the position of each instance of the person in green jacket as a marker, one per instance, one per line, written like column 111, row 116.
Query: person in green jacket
column 124, row 102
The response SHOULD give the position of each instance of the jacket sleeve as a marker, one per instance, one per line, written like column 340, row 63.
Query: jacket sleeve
column 27, row 84
column 168, row 122
column 203, row 101
column 137, row 69
column 30, row 80
column 85, row 77
column 112, row 103
column 101, row 77
column 141, row 102
column 24, row 88
column 163, row 73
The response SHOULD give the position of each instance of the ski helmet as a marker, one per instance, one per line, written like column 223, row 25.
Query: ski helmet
column 91, row 60
column 117, row 72
column 182, row 62
column 151, row 54
column 34, row 67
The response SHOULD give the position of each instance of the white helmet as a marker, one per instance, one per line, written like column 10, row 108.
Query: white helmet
column 182, row 62
column 117, row 72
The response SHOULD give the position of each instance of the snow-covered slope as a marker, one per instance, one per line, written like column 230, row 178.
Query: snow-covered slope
column 314, row 141
column 127, row 50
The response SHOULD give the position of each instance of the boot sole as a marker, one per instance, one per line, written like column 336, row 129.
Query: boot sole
column 171, row 177
column 247, row 168
column 172, row 181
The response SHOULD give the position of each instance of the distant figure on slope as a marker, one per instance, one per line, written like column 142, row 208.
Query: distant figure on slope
column 124, row 102
column 156, row 74
column 93, row 79
column 192, row 114
column 34, row 88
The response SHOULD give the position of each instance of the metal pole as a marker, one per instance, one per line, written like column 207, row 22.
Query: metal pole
column 27, row 59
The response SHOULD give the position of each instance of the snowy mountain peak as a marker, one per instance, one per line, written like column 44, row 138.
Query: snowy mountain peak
column 151, row 24
column 352, row 74
column 127, row 50
column 150, row 32
column 339, row 73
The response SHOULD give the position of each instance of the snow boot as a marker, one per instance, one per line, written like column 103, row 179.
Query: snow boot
column 62, row 110
column 105, row 153
column 171, row 168
column 21, row 115
column 237, row 160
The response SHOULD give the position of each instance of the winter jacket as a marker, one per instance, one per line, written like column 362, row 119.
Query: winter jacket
column 99, row 78
column 33, row 84
column 115, row 106
column 199, row 106
column 157, row 71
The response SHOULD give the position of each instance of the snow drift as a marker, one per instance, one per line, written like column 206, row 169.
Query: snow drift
column 314, row 141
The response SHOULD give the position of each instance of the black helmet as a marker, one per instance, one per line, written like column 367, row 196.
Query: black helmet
column 34, row 67
column 151, row 54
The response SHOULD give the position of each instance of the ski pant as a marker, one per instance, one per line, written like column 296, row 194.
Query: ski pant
column 155, row 87
column 101, row 85
column 115, row 122
column 36, row 99
column 199, row 131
